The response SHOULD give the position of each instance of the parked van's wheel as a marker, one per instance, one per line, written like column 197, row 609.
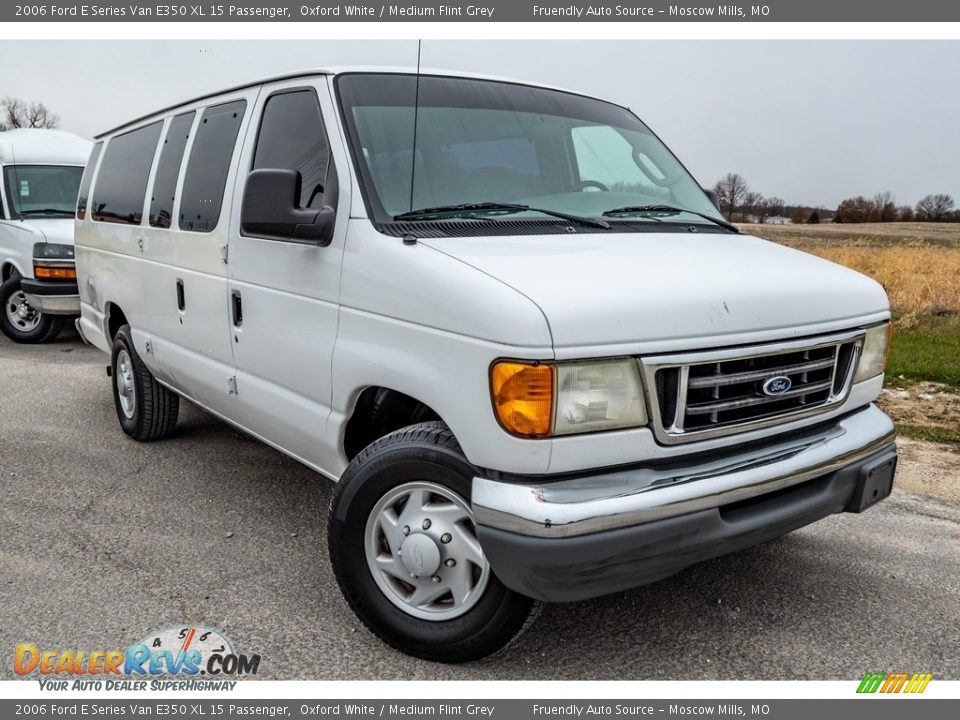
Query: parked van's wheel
column 22, row 323
column 404, row 550
column 146, row 409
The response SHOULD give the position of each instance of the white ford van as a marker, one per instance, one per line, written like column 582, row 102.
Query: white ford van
column 505, row 318
column 39, row 178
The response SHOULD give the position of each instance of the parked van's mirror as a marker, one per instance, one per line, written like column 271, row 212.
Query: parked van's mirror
column 714, row 198
column 270, row 209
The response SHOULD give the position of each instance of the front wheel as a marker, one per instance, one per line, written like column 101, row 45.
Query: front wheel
column 20, row 321
column 404, row 549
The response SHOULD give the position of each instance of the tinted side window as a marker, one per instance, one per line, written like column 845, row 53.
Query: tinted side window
column 122, row 180
column 208, row 165
column 292, row 137
column 168, row 170
column 87, row 179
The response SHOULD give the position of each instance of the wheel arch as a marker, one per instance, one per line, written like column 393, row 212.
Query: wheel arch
column 7, row 269
column 113, row 319
column 377, row 411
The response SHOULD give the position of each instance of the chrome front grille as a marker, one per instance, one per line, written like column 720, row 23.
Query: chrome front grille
column 718, row 392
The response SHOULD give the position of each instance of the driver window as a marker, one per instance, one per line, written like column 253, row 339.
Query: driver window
column 292, row 137
column 605, row 156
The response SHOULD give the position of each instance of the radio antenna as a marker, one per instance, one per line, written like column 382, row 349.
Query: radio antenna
column 416, row 112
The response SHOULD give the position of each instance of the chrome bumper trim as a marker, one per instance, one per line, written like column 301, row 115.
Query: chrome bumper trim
column 55, row 304
column 590, row 504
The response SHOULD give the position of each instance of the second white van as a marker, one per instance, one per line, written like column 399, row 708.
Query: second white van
column 40, row 174
column 538, row 361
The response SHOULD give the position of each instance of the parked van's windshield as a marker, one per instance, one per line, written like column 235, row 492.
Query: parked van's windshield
column 440, row 142
column 42, row 190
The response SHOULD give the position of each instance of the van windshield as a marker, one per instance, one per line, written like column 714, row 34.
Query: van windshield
column 445, row 142
column 42, row 190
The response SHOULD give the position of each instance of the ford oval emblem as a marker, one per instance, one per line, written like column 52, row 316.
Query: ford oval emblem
column 777, row 385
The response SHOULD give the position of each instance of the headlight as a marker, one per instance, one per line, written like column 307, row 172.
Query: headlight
column 873, row 355
column 541, row 399
column 52, row 261
column 53, row 251
column 598, row 396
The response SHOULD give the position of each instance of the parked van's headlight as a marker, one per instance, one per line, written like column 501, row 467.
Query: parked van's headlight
column 541, row 399
column 873, row 355
column 53, row 261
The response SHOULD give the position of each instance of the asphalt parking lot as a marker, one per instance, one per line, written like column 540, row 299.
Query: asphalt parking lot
column 103, row 540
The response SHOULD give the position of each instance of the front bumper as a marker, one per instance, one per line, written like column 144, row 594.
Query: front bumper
column 579, row 537
column 52, row 298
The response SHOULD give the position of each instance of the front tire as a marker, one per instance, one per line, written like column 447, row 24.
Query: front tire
column 22, row 323
column 145, row 408
column 404, row 551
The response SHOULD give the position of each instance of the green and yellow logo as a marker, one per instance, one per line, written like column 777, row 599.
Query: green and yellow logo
column 894, row 682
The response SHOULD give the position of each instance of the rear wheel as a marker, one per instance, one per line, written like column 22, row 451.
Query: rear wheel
column 146, row 409
column 404, row 549
column 22, row 322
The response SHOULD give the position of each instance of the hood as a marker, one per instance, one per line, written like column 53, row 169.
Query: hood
column 603, row 289
column 51, row 230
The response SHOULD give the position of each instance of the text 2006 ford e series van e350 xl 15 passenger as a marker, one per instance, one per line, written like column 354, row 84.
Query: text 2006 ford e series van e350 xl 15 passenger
column 537, row 360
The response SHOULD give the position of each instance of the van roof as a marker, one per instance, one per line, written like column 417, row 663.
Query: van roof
column 336, row 70
column 35, row 146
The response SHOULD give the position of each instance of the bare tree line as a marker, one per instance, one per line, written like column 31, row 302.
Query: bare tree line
column 882, row 207
column 740, row 204
column 16, row 113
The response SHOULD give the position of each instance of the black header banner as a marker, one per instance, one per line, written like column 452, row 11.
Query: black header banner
column 485, row 11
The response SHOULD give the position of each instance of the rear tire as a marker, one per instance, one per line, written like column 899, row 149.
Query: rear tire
column 146, row 409
column 370, row 526
column 22, row 323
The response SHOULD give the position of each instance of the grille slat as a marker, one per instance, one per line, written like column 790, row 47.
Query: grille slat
column 712, row 380
column 702, row 408
column 720, row 392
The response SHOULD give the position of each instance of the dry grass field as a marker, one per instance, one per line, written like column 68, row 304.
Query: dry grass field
column 897, row 233
column 919, row 266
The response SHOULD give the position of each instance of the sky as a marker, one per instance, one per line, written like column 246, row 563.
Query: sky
column 812, row 122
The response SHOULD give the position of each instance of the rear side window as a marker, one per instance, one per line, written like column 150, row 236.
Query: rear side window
column 292, row 137
column 168, row 170
column 209, row 163
column 87, row 179
column 122, row 181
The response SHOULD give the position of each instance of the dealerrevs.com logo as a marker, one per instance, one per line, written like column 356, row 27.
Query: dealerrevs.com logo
column 186, row 657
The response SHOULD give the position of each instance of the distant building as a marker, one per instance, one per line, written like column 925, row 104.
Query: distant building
column 769, row 220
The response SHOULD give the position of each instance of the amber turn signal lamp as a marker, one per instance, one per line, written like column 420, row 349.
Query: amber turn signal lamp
column 54, row 273
column 523, row 397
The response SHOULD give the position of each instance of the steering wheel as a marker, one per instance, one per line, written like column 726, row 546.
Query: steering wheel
column 584, row 184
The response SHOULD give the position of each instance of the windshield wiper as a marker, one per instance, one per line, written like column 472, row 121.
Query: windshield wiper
column 640, row 209
column 431, row 213
column 47, row 211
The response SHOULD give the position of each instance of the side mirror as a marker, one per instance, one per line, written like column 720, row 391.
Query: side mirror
column 271, row 209
column 714, row 198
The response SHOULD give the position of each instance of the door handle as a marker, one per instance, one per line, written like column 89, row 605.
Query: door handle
column 236, row 304
column 181, row 300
